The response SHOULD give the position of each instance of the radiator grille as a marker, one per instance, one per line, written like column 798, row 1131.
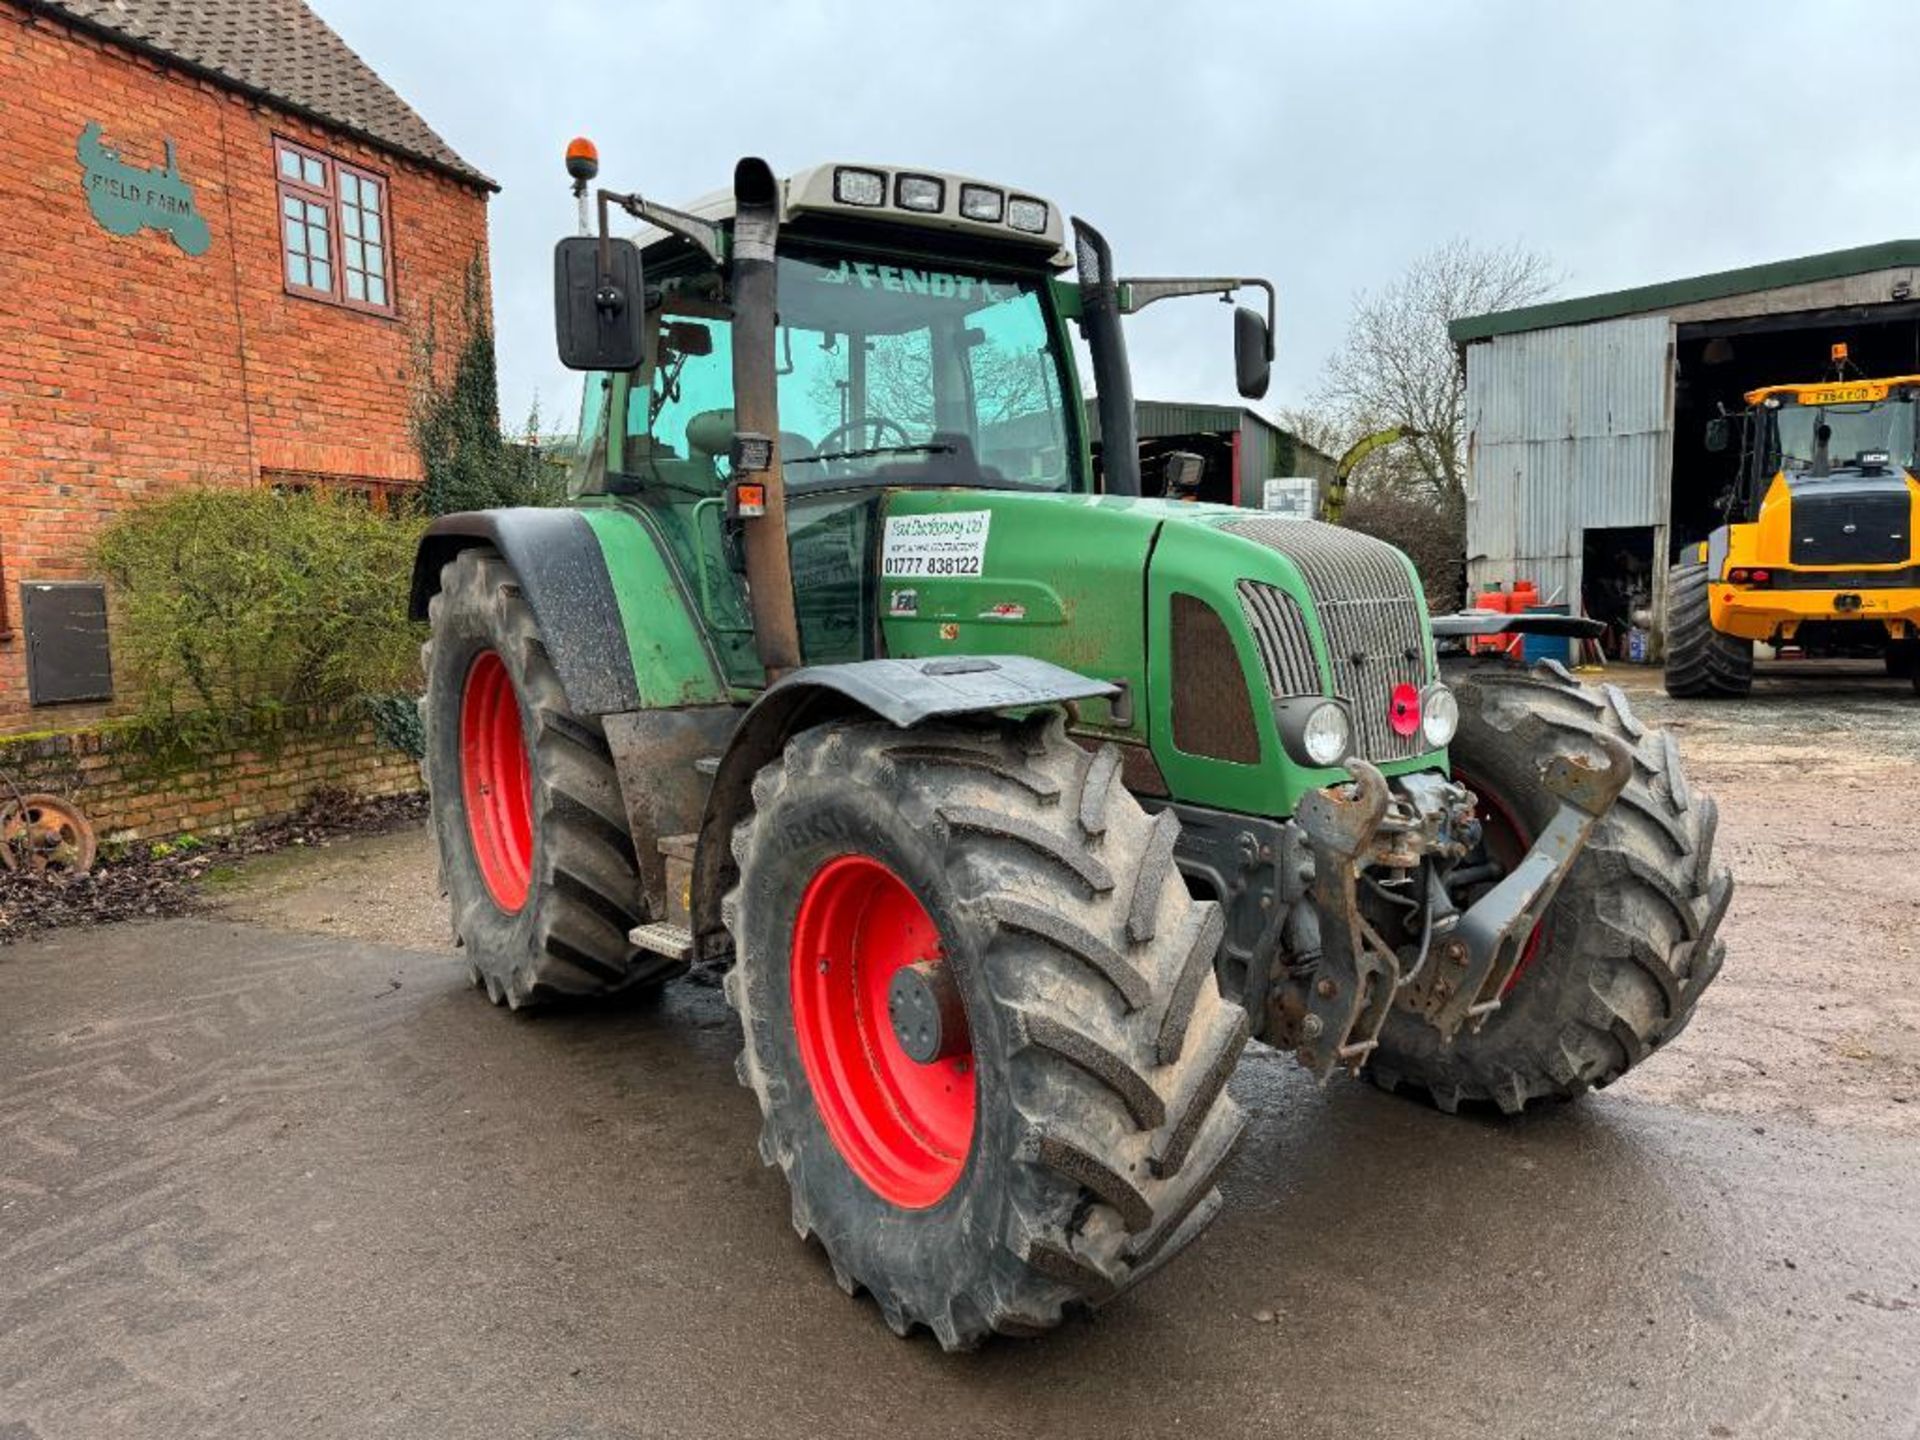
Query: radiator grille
column 1280, row 634
column 1370, row 615
column 1850, row 528
column 1212, row 711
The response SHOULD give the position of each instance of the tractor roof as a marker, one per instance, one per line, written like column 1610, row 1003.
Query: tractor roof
column 1834, row 392
column 862, row 191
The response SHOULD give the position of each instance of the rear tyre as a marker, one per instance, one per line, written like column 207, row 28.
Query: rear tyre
column 1618, row 965
column 1702, row 663
column 535, row 853
column 1066, row 1140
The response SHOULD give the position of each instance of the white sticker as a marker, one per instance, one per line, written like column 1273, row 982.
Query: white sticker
column 935, row 545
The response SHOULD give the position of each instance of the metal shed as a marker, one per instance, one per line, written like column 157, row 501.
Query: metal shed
column 1242, row 447
column 1586, row 417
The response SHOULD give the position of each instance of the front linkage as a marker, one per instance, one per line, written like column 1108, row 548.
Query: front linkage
column 1447, row 965
column 1529, row 928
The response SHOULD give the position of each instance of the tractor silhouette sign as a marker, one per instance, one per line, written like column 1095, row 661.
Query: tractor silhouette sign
column 128, row 198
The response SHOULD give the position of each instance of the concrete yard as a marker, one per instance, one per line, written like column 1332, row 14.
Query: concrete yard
column 278, row 1172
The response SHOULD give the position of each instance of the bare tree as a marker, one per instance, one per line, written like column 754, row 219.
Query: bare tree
column 1322, row 428
column 1398, row 366
column 1007, row 383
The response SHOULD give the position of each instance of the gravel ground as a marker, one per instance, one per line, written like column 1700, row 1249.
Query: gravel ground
column 276, row 1171
column 1817, row 1014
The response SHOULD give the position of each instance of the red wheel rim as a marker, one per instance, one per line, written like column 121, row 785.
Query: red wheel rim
column 1507, row 840
column 902, row 1127
column 496, row 781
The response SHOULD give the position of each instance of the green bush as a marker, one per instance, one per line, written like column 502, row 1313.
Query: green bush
column 233, row 607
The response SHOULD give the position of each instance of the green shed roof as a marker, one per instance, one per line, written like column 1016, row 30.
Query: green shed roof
column 1750, row 279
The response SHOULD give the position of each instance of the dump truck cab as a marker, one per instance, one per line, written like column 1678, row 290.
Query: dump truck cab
column 1820, row 548
column 1007, row 804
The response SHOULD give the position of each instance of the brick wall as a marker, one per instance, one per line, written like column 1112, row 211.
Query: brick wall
column 128, row 366
column 127, row 797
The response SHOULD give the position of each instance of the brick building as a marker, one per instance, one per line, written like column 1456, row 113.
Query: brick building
column 221, row 235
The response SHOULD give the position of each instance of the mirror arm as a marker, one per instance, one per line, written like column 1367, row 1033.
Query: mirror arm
column 703, row 233
column 1136, row 295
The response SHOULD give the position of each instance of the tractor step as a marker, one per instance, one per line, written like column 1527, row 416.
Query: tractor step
column 678, row 851
column 662, row 937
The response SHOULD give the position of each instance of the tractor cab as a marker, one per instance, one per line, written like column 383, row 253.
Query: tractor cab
column 940, row 361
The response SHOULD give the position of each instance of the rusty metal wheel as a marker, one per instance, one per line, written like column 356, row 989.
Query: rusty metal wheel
column 46, row 834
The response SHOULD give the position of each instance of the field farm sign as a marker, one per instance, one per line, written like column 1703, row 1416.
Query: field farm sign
column 127, row 198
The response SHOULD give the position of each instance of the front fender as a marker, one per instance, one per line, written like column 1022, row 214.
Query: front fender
column 905, row 692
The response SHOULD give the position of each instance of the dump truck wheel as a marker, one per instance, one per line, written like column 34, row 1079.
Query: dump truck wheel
column 981, row 1021
column 535, row 852
column 1702, row 663
column 1618, row 965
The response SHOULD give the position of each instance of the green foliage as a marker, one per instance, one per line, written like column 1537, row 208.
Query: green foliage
column 234, row 608
column 467, row 463
column 396, row 722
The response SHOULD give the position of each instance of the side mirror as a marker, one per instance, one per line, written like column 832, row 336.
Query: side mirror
column 1252, row 352
column 1717, row 434
column 687, row 337
column 598, row 319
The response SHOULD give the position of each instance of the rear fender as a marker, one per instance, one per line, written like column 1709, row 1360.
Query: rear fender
column 905, row 692
column 611, row 611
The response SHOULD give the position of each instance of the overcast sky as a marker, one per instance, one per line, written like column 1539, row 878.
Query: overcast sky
column 1323, row 145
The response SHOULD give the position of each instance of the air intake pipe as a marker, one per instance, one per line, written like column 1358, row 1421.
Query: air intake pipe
column 756, row 412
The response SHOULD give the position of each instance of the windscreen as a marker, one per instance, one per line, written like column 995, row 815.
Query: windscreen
column 888, row 368
column 893, row 373
column 1834, row 436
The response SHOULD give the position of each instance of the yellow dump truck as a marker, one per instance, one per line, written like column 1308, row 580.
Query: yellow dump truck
column 1819, row 547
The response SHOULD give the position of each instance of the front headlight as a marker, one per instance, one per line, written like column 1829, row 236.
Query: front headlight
column 1315, row 730
column 1327, row 736
column 1439, row 716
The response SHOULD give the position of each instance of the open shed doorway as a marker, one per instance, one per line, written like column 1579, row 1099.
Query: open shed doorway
column 1218, row 453
column 1617, row 586
column 1718, row 361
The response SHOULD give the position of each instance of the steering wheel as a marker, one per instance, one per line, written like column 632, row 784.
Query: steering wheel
column 836, row 438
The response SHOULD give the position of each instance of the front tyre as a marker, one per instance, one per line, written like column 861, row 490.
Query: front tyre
column 535, row 852
column 1702, row 663
column 1627, row 947
column 980, row 1018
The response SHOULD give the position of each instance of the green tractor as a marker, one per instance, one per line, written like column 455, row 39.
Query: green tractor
column 1011, row 804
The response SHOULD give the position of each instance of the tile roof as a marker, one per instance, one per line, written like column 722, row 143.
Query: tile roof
column 278, row 50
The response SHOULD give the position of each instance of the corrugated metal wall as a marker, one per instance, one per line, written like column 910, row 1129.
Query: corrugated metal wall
column 1156, row 418
column 1571, row 430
